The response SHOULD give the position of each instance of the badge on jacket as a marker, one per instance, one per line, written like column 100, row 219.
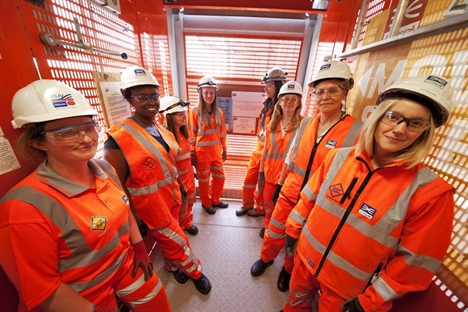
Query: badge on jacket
column 367, row 211
column 98, row 223
column 330, row 144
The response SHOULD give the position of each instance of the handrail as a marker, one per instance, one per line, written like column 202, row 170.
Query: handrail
column 445, row 26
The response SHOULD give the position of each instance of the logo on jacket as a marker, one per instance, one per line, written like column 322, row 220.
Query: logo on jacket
column 98, row 223
column 125, row 199
column 336, row 190
column 367, row 211
column 62, row 100
column 149, row 162
column 330, row 144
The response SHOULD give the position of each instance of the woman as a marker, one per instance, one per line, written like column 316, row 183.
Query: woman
column 273, row 81
column 175, row 112
column 144, row 153
column 373, row 222
column 278, row 138
column 331, row 128
column 68, row 238
column 207, row 135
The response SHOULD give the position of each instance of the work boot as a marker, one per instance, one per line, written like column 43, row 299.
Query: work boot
column 193, row 230
column 221, row 205
column 255, row 213
column 262, row 232
column 259, row 267
column 180, row 276
column 283, row 280
column 202, row 284
column 242, row 211
column 210, row 209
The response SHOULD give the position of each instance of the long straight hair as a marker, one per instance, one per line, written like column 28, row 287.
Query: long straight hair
column 205, row 115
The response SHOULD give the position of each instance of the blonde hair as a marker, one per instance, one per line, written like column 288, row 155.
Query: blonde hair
column 205, row 116
column 413, row 154
column 278, row 115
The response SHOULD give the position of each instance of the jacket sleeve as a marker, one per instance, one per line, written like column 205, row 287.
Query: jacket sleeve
column 223, row 131
column 424, row 240
column 30, row 254
column 298, row 216
column 192, row 128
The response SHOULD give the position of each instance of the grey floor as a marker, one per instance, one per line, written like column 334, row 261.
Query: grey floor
column 227, row 246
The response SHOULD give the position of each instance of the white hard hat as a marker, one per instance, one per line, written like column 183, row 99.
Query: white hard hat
column 275, row 74
column 46, row 100
column 290, row 87
column 137, row 76
column 172, row 104
column 432, row 91
column 333, row 70
column 207, row 82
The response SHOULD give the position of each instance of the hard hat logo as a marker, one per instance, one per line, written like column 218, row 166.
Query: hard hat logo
column 45, row 100
column 275, row 74
column 137, row 76
column 291, row 87
column 139, row 72
column 436, row 81
column 333, row 70
column 434, row 92
column 325, row 67
column 62, row 100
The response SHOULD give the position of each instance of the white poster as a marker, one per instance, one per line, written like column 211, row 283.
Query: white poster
column 244, row 125
column 247, row 104
column 8, row 160
column 117, row 108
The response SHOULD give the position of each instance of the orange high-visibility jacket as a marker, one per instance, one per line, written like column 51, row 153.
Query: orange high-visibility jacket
column 343, row 134
column 391, row 223
column 206, row 140
column 152, row 181
column 54, row 231
column 276, row 149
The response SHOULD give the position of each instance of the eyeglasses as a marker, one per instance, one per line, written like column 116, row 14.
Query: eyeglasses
column 145, row 98
column 206, row 93
column 415, row 125
column 291, row 101
column 331, row 93
column 74, row 133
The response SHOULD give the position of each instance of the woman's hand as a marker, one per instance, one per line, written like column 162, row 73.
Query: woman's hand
column 224, row 154
column 142, row 260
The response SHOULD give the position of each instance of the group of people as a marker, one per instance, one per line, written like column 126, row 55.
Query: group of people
column 362, row 220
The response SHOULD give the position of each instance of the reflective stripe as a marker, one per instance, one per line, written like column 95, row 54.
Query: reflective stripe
column 384, row 290
column 423, row 261
column 249, row 186
column 208, row 143
column 169, row 173
column 183, row 156
column 108, row 272
column 175, row 237
column 70, row 232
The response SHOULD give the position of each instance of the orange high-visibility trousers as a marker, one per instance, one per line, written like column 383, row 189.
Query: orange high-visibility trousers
column 210, row 191
column 303, row 287
column 251, row 198
column 268, row 191
column 176, row 249
column 275, row 237
column 185, row 213
column 137, row 294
